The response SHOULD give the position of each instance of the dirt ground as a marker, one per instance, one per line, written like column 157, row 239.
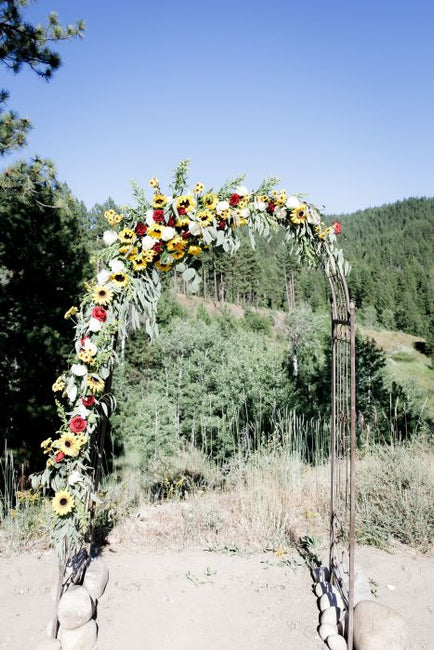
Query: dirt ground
column 199, row 600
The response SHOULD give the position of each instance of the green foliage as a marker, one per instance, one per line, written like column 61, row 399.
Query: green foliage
column 258, row 322
column 42, row 262
column 394, row 496
column 23, row 44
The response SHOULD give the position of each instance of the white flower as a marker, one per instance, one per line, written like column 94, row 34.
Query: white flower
column 109, row 237
column 194, row 228
column 78, row 369
column 149, row 217
column 222, row 205
column 117, row 266
column 71, row 391
column 242, row 191
column 94, row 325
column 74, row 477
column 168, row 233
column 148, row 242
column 279, row 213
column 244, row 212
column 292, row 202
column 260, row 206
column 103, row 276
column 88, row 345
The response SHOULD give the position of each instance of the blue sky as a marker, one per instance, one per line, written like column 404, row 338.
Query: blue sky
column 334, row 97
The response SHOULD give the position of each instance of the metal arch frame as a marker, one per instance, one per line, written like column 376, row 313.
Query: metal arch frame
column 342, row 442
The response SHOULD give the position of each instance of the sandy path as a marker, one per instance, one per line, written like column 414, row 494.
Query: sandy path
column 193, row 600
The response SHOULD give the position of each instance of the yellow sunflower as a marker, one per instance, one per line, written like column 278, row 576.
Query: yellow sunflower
column 127, row 236
column 95, row 383
column 163, row 267
column 58, row 385
column 62, row 503
column 185, row 201
column 71, row 312
column 198, row 188
column 148, row 256
column 178, row 255
column 182, row 221
column 86, row 356
column 194, row 250
column 282, row 198
column 299, row 215
column 139, row 263
column 153, row 182
column 120, row 279
column 133, row 252
column 210, row 200
column 159, row 201
column 244, row 202
column 176, row 244
column 46, row 445
column 113, row 217
column 156, row 230
column 68, row 444
column 102, row 295
column 204, row 217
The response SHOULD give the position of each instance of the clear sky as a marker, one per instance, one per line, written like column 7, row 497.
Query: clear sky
column 335, row 97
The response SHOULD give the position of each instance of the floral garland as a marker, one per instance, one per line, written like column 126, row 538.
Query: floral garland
column 168, row 233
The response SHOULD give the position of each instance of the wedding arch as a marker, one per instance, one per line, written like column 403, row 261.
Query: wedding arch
column 169, row 233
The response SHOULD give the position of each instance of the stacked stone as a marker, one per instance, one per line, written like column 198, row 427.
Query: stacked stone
column 77, row 611
column 332, row 610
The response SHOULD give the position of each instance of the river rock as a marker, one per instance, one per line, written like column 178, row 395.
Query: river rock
column 336, row 642
column 377, row 626
column 330, row 599
column 96, row 578
column 331, row 615
column 322, row 588
column 82, row 638
column 48, row 644
column 75, row 608
column 321, row 574
column 325, row 630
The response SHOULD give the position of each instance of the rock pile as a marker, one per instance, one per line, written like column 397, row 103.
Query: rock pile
column 76, row 611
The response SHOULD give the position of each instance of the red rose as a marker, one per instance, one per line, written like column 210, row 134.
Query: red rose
column 186, row 234
column 59, row 456
column 158, row 216
column 337, row 227
column 234, row 200
column 99, row 313
column 171, row 222
column 78, row 424
column 88, row 401
column 271, row 207
column 141, row 229
column 182, row 211
column 157, row 247
column 221, row 225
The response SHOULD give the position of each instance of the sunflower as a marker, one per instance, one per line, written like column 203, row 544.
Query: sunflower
column 95, row 383
column 113, row 217
column 299, row 215
column 159, row 201
column 204, row 217
column 132, row 251
column 102, row 295
column 71, row 312
column 156, row 230
column 177, row 255
column 282, row 198
column 139, row 263
column 185, row 201
column 153, row 182
column 322, row 234
column 244, row 202
column 210, row 200
column 120, row 279
column 46, row 445
column 127, row 236
column 183, row 221
column 62, row 503
column 226, row 214
column 68, row 444
column 176, row 244
column 194, row 250
column 148, row 256
column 58, row 385
column 198, row 188
column 86, row 356
column 163, row 267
